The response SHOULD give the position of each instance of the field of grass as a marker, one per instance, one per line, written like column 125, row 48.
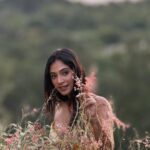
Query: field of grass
column 34, row 137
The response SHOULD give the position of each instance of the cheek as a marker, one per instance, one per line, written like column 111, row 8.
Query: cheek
column 72, row 84
column 70, row 81
column 54, row 83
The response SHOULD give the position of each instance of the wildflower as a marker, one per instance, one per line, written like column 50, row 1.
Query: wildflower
column 91, row 82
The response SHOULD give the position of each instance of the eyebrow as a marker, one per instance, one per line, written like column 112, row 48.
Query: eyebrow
column 62, row 69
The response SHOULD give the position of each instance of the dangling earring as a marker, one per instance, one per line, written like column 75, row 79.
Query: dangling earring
column 77, row 83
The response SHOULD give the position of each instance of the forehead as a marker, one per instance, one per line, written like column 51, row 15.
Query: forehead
column 57, row 66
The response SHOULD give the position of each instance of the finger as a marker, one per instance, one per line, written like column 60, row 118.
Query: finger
column 90, row 101
column 85, row 95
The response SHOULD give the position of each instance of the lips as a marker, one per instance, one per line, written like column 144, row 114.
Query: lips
column 63, row 88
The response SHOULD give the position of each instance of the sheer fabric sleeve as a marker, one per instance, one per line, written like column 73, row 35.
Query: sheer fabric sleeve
column 101, row 118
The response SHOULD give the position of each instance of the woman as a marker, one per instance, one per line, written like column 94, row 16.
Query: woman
column 67, row 97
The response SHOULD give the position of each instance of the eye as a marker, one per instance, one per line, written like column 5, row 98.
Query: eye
column 65, row 72
column 53, row 76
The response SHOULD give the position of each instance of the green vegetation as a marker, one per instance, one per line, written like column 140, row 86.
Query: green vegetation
column 115, row 37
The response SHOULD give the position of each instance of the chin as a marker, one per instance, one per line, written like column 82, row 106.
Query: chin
column 65, row 93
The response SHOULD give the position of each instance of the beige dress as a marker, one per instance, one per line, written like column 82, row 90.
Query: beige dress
column 100, row 115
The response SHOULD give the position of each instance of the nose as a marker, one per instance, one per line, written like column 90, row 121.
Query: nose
column 60, row 80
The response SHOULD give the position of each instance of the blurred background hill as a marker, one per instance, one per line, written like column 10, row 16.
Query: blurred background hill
column 115, row 38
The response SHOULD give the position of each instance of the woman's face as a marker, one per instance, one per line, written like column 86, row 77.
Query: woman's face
column 62, row 77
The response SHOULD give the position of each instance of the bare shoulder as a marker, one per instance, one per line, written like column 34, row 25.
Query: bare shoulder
column 101, row 101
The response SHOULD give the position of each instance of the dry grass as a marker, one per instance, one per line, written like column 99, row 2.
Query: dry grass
column 35, row 137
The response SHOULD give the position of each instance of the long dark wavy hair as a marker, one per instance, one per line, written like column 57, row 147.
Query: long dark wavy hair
column 69, row 58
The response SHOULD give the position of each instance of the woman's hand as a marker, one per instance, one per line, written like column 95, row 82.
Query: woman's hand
column 88, row 104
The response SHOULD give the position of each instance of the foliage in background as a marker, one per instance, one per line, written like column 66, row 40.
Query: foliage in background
column 115, row 37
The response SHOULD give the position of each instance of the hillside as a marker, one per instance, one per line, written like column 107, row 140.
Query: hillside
column 115, row 37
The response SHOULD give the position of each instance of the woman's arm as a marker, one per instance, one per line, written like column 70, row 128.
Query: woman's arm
column 101, row 118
